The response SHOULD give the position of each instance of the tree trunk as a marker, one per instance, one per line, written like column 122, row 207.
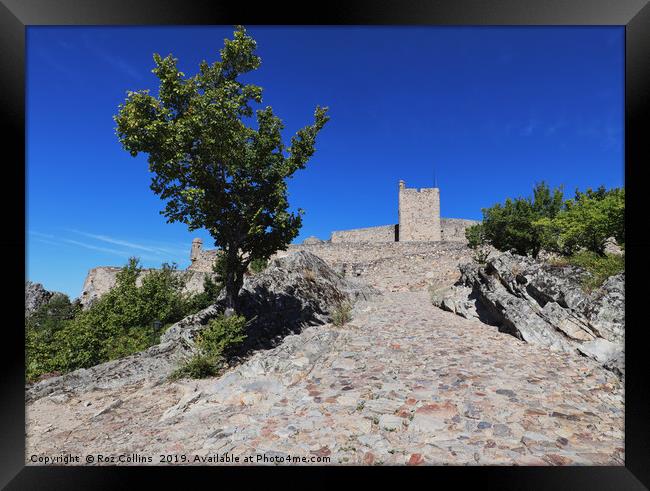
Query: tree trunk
column 233, row 282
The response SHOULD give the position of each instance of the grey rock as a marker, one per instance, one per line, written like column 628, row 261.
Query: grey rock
column 606, row 311
column 612, row 247
column 294, row 291
column 390, row 422
column 35, row 297
column 113, row 405
column 542, row 304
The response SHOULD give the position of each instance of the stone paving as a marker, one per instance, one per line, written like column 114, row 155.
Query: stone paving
column 403, row 383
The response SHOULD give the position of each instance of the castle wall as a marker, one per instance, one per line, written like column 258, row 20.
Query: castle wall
column 419, row 214
column 384, row 233
column 453, row 229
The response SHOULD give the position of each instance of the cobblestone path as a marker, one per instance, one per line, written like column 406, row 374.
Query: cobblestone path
column 402, row 383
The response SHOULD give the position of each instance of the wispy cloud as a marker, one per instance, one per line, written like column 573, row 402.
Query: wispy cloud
column 120, row 242
column 163, row 249
column 127, row 248
column 121, row 65
column 97, row 248
column 113, row 60
column 41, row 235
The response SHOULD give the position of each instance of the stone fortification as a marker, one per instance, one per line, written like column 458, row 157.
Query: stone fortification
column 453, row 229
column 384, row 233
column 202, row 259
column 399, row 266
column 419, row 221
column 419, row 214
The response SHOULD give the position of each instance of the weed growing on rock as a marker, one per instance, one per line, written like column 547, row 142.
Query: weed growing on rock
column 258, row 265
column 215, row 343
column 342, row 314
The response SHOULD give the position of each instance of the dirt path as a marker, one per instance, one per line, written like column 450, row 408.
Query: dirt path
column 404, row 382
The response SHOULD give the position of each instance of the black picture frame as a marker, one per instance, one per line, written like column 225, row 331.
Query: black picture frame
column 16, row 15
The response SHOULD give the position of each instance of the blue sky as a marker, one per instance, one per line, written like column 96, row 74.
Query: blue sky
column 489, row 111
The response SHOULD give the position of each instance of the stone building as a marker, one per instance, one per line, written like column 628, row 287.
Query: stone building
column 419, row 221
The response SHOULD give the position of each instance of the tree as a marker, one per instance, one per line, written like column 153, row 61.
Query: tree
column 587, row 222
column 212, row 169
column 511, row 226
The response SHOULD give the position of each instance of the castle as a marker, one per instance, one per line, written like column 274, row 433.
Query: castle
column 419, row 221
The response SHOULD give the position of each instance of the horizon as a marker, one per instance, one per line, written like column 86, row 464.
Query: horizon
column 483, row 112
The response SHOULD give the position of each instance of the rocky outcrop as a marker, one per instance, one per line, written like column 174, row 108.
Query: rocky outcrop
column 36, row 296
column 543, row 304
column 292, row 292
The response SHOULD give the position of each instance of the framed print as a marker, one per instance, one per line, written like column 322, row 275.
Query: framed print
column 359, row 238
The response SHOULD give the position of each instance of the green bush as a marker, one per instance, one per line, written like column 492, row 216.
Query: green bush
column 215, row 342
column 599, row 267
column 42, row 334
column 62, row 337
column 477, row 241
column 586, row 222
column 207, row 297
column 199, row 366
column 342, row 314
column 222, row 335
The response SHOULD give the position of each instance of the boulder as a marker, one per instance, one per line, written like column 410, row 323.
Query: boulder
column 293, row 292
column 612, row 247
column 542, row 304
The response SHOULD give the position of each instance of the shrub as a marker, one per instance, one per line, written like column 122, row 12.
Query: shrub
column 199, row 366
column 214, row 343
column 342, row 314
column 207, row 297
column 546, row 221
column 41, row 335
column 477, row 241
column 222, row 335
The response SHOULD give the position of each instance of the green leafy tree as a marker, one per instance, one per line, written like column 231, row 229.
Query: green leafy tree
column 586, row 222
column 475, row 236
column 477, row 241
column 41, row 330
column 511, row 226
column 212, row 169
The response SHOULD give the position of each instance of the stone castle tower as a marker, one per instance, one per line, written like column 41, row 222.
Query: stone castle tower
column 419, row 214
